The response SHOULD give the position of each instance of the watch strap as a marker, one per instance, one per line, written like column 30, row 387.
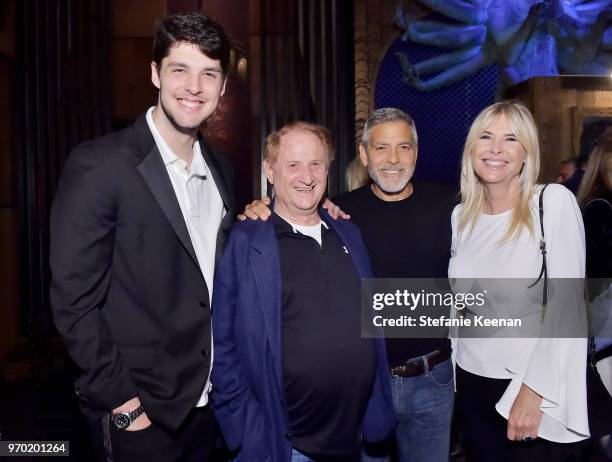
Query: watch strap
column 131, row 416
column 135, row 413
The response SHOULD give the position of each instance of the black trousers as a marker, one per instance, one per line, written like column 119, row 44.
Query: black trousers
column 484, row 429
column 193, row 441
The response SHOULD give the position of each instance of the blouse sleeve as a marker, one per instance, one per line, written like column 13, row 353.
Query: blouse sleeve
column 453, row 332
column 564, row 232
column 557, row 365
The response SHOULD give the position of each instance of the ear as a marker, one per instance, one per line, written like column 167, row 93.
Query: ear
column 363, row 155
column 269, row 171
column 416, row 153
column 223, row 86
column 155, row 75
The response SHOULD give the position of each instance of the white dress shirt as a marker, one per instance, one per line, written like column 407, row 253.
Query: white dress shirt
column 202, row 208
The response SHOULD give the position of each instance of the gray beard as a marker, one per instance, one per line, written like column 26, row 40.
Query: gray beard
column 383, row 186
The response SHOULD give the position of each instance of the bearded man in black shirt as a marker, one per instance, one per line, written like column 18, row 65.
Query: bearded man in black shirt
column 407, row 231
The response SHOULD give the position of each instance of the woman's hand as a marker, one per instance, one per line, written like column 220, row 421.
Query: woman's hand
column 525, row 415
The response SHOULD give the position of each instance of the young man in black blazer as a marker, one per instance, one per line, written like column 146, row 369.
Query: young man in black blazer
column 139, row 219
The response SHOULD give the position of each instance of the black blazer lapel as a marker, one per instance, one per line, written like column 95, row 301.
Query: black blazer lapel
column 224, row 188
column 220, row 181
column 154, row 173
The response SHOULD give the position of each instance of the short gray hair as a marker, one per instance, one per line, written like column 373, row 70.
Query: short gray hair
column 388, row 114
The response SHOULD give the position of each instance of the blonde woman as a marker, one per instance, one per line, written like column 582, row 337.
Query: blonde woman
column 516, row 397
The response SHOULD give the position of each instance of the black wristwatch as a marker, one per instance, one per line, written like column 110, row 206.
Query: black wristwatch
column 123, row 420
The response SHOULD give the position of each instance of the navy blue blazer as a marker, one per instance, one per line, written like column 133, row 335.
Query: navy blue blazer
column 247, row 370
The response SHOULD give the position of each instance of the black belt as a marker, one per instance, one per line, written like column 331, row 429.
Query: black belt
column 416, row 367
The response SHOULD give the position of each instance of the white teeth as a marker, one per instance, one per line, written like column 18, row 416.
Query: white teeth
column 495, row 163
column 191, row 104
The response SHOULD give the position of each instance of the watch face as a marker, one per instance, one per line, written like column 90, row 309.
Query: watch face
column 121, row 421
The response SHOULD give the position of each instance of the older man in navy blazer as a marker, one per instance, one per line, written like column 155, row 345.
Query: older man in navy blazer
column 294, row 379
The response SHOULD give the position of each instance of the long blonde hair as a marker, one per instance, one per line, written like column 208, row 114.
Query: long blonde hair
column 598, row 174
column 356, row 174
column 472, row 190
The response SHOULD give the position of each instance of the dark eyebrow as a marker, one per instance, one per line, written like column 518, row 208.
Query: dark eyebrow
column 185, row 66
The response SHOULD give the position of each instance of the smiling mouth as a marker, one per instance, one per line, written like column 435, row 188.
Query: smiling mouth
column 190, row 104
column 494, row 163
column 305, row 190
column 394, row 171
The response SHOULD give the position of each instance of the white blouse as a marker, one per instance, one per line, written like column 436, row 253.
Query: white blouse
column 553, row 367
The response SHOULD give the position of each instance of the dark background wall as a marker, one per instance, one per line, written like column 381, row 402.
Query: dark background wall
column 9, row 255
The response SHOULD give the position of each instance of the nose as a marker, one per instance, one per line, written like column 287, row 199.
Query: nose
column 393, row 156
column 496, row 146
column 193, row 84
column 305, row 175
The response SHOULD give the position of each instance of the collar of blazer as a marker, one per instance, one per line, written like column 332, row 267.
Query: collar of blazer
column 155, row 175
column 145, row 145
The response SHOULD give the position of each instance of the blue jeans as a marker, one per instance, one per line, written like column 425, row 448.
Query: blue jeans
column 423, row 408
column 297, row 456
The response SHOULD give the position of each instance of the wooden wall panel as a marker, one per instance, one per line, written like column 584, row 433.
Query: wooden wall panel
column 558, row 103
column 133, row 91
column 374, row 31
column 133, row 25
column 135, row 18
column 7, row 28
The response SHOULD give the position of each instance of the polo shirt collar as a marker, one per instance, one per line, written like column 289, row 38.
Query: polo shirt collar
column 198, row 167
column 283, row 227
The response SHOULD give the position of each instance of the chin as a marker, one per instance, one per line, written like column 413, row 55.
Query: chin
column 393, row 188
column 309, row 206
column 188, row 124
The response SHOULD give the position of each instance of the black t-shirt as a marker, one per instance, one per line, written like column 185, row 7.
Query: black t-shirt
column 410, row 238
column 328, row 369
